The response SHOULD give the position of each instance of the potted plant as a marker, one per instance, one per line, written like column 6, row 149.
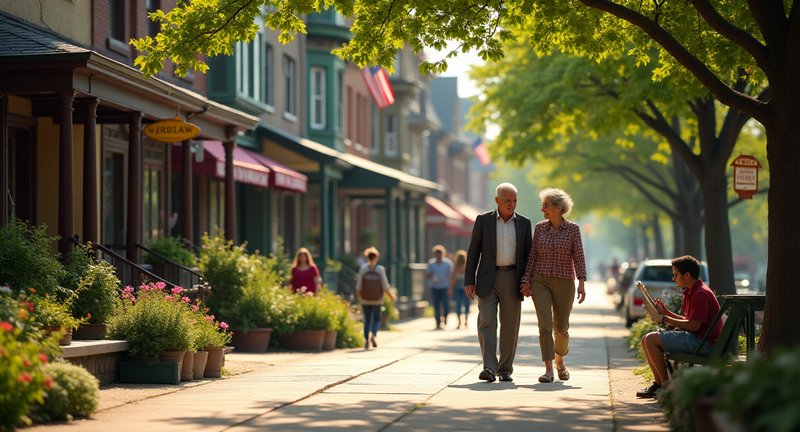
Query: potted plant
column 158, row 326
column 96, row 299
column 334, row 308
column 212, row 336
column 54, row 316
column 308, row 334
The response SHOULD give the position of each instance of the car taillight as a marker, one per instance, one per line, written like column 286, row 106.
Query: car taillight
column 637, row 301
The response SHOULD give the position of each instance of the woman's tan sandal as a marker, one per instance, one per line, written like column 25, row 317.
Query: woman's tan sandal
column 563, row 373
column 546, row 378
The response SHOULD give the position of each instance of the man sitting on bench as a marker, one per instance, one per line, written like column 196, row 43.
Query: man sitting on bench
column 699, row 308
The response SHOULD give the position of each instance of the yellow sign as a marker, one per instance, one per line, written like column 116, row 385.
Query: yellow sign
column 172, row 130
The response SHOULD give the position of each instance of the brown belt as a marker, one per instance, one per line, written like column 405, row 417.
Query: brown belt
column 505, row 268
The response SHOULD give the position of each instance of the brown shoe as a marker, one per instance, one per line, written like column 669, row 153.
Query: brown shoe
column 546, row 378
column 374, row 342
column 563, row 373
column 649, row 392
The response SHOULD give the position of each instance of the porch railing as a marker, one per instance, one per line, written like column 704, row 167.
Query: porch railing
column 342, row 282
column 128, row 272
column 186, row 277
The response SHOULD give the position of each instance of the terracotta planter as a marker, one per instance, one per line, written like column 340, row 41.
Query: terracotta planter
column 66, row 339
column 90, row 332
column 173, row 356
column 199, row 364
column 701, row 409
column 187, row 368
column 304, row 340
column 253, row 340
column 216, row 358
column 329, row 343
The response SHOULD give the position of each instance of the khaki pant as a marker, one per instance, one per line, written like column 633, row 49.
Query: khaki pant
column 553, row 299
column 504, row 296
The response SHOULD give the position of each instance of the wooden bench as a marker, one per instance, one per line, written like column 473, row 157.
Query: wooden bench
column 737, row 311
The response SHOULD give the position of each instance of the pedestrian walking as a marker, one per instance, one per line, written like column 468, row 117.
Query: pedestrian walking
column 498, row 251
column 371, row 285
column 555, row 260
column 305, row 275
column 456, row 289
column 439, row 271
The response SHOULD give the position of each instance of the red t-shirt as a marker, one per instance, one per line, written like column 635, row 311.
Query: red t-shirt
column 700, row 304
column 305, row 278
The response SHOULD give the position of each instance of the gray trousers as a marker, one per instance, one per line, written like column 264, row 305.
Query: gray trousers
column 504, row 296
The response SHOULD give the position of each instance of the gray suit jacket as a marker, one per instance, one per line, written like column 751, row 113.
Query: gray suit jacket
column 482, row 253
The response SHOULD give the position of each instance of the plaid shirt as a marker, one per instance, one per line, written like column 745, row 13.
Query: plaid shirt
column 556, row 254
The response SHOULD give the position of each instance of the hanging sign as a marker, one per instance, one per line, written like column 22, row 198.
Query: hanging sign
column 745, row 176
column 171, row 130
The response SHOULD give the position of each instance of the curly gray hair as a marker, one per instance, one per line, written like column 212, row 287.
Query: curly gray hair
column 558, row 198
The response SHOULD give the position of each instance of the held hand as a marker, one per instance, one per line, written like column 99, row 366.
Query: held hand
column 660, row 306
column 652, row 313
column 470, row 291
column 581, row 292
column 525, row 289
column 450, row 292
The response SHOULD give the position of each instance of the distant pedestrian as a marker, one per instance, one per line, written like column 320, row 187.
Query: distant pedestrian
column 555, row 260
column 438, row 271
column 305, row 275
column 371, row 285
column 498, row 250
column 456, row 289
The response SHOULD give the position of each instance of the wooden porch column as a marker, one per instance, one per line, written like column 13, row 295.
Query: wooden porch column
column 90, row 180
column 230, row 193
column 5, row 205
column 187, row 221
column 133, row 227
column 66, row 199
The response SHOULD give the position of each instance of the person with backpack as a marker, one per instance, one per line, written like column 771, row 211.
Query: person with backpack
column 371, row 284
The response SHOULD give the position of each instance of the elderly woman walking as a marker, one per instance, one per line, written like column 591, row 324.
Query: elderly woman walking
column 555, row 261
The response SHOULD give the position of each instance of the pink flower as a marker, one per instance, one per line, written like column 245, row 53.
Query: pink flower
column 176, row 290
column 169, row 297
column 209, row 318
column 195, row 308
column 128, row 289
column 223, row 325
column 186, row 299
column 161, row 285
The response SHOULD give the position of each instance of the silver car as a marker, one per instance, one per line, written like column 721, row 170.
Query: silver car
column 656, row 275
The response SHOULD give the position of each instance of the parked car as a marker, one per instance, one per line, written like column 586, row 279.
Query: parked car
column 626, row 271
column 656, row 275
column 745, row 284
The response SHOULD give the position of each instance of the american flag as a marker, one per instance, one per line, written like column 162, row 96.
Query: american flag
column 379, row 86
column 481, row 151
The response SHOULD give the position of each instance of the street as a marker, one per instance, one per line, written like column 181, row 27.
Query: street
column 417, row 379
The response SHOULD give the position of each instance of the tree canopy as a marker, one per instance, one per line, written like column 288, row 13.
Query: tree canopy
column 719, row 44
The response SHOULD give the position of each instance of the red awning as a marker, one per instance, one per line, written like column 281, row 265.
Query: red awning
column 438, row 213
column 246, row 168
column 281, row 176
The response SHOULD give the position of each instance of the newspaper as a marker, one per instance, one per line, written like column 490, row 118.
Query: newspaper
column 647, row 299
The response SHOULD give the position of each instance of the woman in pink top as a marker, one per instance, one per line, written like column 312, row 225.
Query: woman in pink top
column 305, row 275
column 555, row 261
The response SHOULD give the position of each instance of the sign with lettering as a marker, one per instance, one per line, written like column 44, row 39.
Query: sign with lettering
column 745, row 176
column 171, row 130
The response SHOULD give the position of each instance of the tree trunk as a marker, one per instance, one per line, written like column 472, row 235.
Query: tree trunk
column 677, row 237
column 781, row 324
column 658, row 239
column 718, row 236
column 645, row 241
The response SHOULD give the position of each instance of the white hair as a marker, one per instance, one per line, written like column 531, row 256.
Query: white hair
column 505, row 187
column 558, row 198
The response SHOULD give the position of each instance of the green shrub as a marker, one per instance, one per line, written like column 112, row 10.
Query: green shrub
column 153, row 322
column 97, row 294
column 74, row 392
column 313, row 313
column 51, row 312
column 170, row 248
column 226, row 267
column 688, row 385
column 389, row 310
column 78, row 261
column 22, row 382
column 26, row 260
column 350, row 333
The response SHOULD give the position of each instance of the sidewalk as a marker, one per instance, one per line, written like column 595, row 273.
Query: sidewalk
column 417, row 379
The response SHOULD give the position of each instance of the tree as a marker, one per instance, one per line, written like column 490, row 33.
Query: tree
column 730, row 41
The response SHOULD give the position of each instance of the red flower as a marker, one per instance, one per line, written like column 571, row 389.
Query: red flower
column 5, row 325
column 43, row 358
column 25, row 377
column 48, row 383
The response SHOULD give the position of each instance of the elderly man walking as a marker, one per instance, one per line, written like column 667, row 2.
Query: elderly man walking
column 498, row 252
